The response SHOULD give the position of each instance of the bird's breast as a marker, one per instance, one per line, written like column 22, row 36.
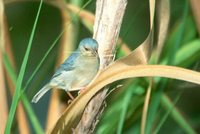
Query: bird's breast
column 85, row 72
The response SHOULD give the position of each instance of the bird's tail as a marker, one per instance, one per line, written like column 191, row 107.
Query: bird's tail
column 41, row 93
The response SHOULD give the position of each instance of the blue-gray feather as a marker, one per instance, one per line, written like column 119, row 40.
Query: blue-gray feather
column 67, row 65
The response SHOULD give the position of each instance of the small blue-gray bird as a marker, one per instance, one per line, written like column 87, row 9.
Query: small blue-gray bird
column 77, row 71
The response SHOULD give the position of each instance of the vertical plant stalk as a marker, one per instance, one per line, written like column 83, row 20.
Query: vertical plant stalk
column 6, row 47
column 16, row 95
column 3, row 99
column 20, row 113
column 146, row 106
column 162, row 22
column 75, row 23
column 145, row 49
column 21, row 116
column 196, row 11
column 176, row 115
column 66, row 46
column 108, row 19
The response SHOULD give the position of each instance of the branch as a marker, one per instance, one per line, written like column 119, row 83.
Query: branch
column 108, row 19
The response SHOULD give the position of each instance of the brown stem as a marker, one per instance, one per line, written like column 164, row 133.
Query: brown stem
column 108, row 18
column 196, row 12
column 3, row 100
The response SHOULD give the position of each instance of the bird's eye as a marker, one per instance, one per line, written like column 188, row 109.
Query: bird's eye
column 87, row 49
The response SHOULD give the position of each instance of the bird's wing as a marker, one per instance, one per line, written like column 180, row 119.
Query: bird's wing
column 68, row 65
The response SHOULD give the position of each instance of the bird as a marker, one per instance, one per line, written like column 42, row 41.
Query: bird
column 77, row 71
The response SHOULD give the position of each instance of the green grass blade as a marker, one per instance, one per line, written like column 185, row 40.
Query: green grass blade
column 124, row 106
column 185, row 54
column 34, row 121
column 156, row 98
column 175, row 47
column 9, row 69
column 167, row 113
column 153, row 106
column 21, row 75
column 176, row 115
column 49, row 50
column 75, row 27
column 41, row 62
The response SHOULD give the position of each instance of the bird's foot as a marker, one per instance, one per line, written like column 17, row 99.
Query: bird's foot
column 81, row 90
column 69, row 101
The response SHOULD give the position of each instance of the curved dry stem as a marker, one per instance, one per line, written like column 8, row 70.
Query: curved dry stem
column 117, row 71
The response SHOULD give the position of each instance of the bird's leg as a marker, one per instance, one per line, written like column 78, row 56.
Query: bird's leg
column 70, row 96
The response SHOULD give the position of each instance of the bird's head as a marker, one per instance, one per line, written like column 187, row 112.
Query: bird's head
column 89, row 47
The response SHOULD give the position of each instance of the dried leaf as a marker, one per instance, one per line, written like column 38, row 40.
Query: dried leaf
column 117, row 71
column 163, row 22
